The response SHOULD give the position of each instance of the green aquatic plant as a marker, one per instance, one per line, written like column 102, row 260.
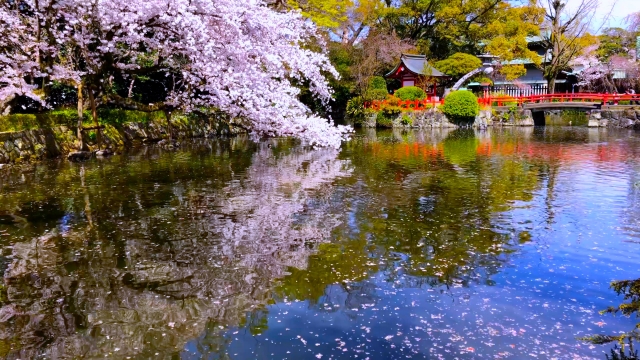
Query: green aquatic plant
column 630, row 290
column 618, row 353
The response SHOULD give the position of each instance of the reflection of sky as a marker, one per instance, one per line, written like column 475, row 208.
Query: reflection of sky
column 582, row 234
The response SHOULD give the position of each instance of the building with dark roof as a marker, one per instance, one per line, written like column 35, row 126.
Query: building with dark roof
column 415, row 70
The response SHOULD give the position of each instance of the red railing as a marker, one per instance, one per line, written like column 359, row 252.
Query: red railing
column 604, row 99
column 505, row 100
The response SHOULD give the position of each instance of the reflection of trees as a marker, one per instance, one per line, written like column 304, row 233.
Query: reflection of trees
column 179, row 241
column 433, row 224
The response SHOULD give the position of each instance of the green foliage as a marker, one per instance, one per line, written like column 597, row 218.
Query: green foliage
column 378, row 82
column 410, row 93
column 461, row 107
column 406, row 120
column 392, row 106
column 355, row 109
column 458, row 64
column 615, row 41
column 482, row 79
column 376, row 94
column 512, row 112
column 324, row 13
column 630, row 290
column 465, row 26
column 512, row 72
column 377, row 89
column 69, row 118
column 343, row 88
column 20, row 122
column 384, row 119
column 618, row 353
column 117, row 116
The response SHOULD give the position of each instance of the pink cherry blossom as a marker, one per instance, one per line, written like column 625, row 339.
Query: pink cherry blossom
column 236, row 56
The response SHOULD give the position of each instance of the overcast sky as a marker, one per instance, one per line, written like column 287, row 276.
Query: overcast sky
column 621, row 8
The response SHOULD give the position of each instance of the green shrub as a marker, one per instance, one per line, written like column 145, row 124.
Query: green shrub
column 624, row 102
column 376, row 94
column 118, row 116
column 391, row 107
column 384, row 120
column 410, row 93
column 377, row 82
column 69, row 117
column 461, row 107
column 92, row 136
column 406, row 120
column 355, row 109
column 482, row 79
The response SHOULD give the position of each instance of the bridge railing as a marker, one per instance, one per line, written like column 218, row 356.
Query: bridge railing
column 604, row 99
column 505, row 100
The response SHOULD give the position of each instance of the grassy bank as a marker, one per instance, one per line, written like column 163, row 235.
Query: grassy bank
column 69, row 118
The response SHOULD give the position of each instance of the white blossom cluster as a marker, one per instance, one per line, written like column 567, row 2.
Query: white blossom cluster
column 237, row 56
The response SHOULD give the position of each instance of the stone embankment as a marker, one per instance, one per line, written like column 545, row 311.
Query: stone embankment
column 612, row 117
column 30, row 145
column 434, row 118
column 628, row 118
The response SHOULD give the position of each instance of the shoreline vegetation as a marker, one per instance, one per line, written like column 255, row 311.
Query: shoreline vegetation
column 32, row 137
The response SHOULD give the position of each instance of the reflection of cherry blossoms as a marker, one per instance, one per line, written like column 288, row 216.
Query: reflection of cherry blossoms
column 207, row 258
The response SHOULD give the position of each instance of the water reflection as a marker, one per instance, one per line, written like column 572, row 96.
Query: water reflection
column 178, row 241
column 405, row 244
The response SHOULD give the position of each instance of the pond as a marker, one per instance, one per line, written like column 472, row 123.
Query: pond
column 423, row 245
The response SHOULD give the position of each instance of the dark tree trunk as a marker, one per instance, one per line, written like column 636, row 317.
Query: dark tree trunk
column 94, row 114
column 83, row 144
column 167, row 114
column 551, row 85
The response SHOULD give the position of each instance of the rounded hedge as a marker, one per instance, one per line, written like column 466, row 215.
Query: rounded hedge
column 461, row 107
column 376, row 94
column 410, row 93
column 378, row 82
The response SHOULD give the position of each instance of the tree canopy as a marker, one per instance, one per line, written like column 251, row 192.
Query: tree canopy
column 442, row 28
column 458, row 64
column 237, row 46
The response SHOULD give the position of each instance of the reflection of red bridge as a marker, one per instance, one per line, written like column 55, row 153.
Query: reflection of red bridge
column 585, row 101
column 566, row 153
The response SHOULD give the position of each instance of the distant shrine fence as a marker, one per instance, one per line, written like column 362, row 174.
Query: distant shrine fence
column 512, row 90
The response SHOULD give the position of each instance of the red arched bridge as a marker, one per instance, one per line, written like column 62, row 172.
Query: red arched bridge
column 579, row 101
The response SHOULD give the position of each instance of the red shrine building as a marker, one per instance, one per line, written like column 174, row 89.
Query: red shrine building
column 415, row 70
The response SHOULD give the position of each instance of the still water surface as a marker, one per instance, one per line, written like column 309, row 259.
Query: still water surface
column 425, row 245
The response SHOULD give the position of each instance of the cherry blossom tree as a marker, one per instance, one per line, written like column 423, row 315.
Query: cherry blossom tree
column 599, row 76
column 238, row 57
column 17, row 63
